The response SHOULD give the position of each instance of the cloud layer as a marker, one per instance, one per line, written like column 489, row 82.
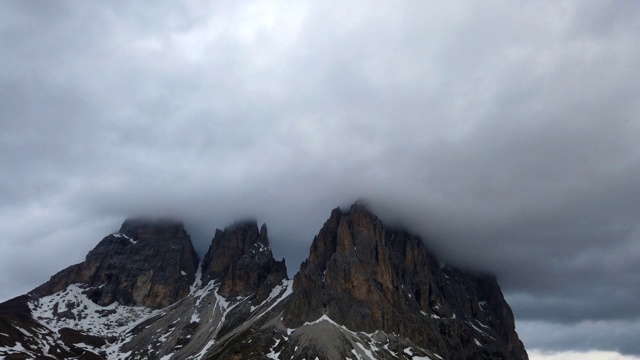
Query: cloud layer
column 504, row 133
column 577, row 355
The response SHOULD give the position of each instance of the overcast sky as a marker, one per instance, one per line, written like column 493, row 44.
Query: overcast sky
column 506, row 133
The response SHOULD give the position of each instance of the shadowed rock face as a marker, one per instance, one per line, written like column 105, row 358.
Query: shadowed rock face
column 241, row 260
column 147, row 263
column 368, row 277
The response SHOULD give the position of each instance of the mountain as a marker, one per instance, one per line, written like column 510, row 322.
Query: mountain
column 366, row 291
column 146, row 263
column 240, row 259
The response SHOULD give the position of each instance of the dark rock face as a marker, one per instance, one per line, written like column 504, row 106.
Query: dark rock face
column 367, row 277
column 19, row 327
column 241, row 260
column 365, row 291
column 147, row 263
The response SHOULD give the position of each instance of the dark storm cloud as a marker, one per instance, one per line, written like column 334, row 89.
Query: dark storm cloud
column 504, row 133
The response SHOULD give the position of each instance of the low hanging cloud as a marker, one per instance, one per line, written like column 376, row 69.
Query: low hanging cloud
column 504, row 133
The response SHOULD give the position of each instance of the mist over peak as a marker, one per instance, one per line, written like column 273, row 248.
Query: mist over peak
column 505, row 135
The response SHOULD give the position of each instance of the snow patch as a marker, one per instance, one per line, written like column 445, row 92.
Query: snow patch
column 260, row 248
column 22, row 330
column 366, row 351
column 85, row 315
column 478, row 329
column 119, row 235
column 433, row 316
column 481, row 324
column 195, row 318
column 198, row 281
column 16, row 349
column 204, row 350
column 287, row 285
column 272, row 354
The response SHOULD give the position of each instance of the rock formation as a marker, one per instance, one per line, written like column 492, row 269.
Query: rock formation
column 365, row 291
column 367, row 277
column 241, row 259
column 147, row 263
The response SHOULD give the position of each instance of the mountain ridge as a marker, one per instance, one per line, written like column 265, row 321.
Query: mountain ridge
column 365, row 291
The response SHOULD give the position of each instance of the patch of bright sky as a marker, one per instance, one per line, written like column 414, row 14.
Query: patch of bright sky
column 574, row 355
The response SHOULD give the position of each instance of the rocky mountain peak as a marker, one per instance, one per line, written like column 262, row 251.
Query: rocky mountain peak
column 367, row 290
column 240, row 258
column 341, row 232
column 148, row 262
column 369, row 277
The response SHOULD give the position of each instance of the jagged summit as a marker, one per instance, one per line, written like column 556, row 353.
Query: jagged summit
column 240, row 259
column 365, row 291
column 368, row 277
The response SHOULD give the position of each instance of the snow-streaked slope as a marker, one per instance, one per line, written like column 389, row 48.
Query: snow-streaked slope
column 207, row 325
column 332, row 340
column 70, row 308
column 191, row 328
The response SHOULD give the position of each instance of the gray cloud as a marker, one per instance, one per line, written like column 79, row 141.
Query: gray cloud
column 505, row 134
column 619, row 336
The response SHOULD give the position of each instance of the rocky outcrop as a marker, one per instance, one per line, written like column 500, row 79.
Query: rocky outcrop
column 20, row 330
column 240, row 259
column 366, row 291
column 368, row 277
column 149, row 263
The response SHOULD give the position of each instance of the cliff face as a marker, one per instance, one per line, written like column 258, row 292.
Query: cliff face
column 365, row 291
column 241, row 260
column 368, row 277
column 147, row 263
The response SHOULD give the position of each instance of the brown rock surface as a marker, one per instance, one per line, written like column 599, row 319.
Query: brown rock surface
column 368, row 277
